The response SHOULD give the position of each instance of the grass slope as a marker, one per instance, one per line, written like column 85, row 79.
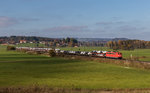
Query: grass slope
column 21, row 69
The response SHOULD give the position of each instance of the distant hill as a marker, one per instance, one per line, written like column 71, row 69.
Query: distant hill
column 100, row 39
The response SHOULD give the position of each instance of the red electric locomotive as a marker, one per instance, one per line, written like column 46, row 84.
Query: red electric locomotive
column 107, row 54
column 114, row 55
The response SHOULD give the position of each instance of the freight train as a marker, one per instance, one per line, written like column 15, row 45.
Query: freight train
column 102, row 54
column 106, row 54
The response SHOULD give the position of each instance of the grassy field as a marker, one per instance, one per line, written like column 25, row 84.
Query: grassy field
column 30, row 45
column 143, row 54
column 19, row 69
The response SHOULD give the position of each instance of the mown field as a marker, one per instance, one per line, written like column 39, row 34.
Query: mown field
column 30, row 45
column 142, row 54
column 19, row 69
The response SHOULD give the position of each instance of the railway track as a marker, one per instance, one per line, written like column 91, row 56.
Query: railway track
column 122, row 62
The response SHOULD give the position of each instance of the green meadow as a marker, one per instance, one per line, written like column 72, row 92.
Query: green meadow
column 30, row 45
column 20, row 69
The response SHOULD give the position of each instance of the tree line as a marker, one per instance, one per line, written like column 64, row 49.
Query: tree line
column 71, row 42
column 55, row 42
column 128, row 44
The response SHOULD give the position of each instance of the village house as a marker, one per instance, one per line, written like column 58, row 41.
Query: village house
column 23, row 41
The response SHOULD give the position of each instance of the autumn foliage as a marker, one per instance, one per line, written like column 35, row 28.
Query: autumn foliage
column 128, row 44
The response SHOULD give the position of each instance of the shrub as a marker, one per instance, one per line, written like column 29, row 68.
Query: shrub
column 11, row 48
column 52, row 53
column 38, row 52
column 23, row 50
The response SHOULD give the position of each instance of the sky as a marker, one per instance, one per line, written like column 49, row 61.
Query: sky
column 76, row 18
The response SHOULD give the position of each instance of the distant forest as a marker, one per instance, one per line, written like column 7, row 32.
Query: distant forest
column 28, row 38
column 128, row 44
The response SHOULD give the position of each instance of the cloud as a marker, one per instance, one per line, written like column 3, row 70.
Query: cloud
column 104, row 23
column 116, row 18
column 29, row 19
column 62, row 31
column 67, row 28
column 119, row 28
column 111, row 23
column 129, row 28
column 7, row 21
